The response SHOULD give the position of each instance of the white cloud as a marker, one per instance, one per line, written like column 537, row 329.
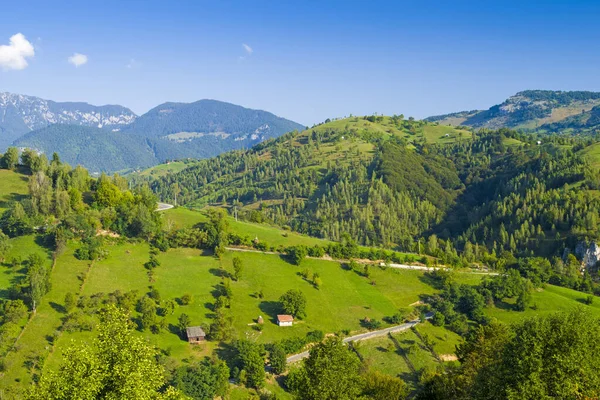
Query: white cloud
column 247, row 48
column 78, row 59
column 133, row 64
column 15, row 54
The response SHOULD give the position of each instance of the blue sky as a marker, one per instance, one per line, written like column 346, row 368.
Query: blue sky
column 310, row 60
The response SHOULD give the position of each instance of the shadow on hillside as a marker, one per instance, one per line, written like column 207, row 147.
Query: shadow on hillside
column 227, row 352
column 270, row 309
column 220, row 273
column 175, row 331
column 502, row 305
column 427, row 279
column 58, row 307
column 218, row 290
column 10, row 198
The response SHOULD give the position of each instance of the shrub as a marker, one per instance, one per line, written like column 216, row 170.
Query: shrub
column 186, row 299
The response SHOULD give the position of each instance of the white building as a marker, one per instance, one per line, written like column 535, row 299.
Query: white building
column 285, row 320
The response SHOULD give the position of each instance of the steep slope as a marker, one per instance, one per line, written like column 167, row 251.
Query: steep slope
column 20, row 114
column 529, row 109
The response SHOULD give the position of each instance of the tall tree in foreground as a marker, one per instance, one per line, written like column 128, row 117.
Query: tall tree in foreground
column 118, row 365
column 551, row 357
column 331, row 372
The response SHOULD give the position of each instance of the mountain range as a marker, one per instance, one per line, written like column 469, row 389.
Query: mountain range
column 542, row 110
column 112, row 138
column 20, row 114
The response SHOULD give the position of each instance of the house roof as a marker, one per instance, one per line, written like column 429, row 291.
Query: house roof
column 195, row 331
column 285, row 318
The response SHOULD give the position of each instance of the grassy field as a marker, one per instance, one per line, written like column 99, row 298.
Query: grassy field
column 36, row 340
column 344, row 298
column 544, row 301
column 592, row 154
column 182, row 217
column 171, row 167
column 13, row 187
column 403, row 355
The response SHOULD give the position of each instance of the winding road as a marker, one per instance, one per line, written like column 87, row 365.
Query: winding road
column 365, row 336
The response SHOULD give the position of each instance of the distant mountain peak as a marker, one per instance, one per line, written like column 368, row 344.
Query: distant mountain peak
column 20, row 114
column 527, row 109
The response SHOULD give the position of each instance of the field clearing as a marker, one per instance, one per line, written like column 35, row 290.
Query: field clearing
column 183, row 217
column 544, row 301
column 444, row 339
column 37, row 338
column 20, row 248
column 160, row 170
column 437, row 134
column 13, row 188
column 344, row 298
column 592, row 154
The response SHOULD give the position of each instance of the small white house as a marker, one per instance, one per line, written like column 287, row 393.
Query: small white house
column 285, row 320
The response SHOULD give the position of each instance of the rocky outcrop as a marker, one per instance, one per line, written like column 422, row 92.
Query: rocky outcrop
column 588, row 253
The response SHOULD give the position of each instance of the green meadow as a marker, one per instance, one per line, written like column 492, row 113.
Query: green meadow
column 13, row 187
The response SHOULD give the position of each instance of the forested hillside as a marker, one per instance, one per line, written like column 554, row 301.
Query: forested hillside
column 501, row 190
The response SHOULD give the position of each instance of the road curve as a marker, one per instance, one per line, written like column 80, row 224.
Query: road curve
column 363, row 336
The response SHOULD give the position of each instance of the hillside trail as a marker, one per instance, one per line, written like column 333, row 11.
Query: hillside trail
column 391, row 265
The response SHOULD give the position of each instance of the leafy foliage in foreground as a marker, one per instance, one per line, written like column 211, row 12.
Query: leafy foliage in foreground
column 118, row 365
column 550, row 357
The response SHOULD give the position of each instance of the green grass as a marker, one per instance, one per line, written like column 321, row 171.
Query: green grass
column 437, row 134
column 544, row 301
column 415, row 350
column 20, row 248
column 592, row 154
column 404, row 355
column 181, row 217
column 165, row 169
column 344, row 298
column 444, row 339
column 35, row 342
column 13, row 187
column 381, row 355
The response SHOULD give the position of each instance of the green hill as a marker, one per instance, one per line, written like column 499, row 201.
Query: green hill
column 383, row 181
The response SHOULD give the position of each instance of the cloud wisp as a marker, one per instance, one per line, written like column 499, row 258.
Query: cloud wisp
column 78, row 60
column 247, row 48
column 14, row 55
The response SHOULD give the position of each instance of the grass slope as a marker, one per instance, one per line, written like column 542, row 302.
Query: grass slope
column 13, row 187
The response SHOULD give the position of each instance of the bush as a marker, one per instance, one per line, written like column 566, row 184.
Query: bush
column 315, row 336
column 371, row 324
column 186, row 299
column 438, row 319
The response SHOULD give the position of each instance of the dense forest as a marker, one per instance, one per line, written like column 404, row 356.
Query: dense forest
column 501, row 191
